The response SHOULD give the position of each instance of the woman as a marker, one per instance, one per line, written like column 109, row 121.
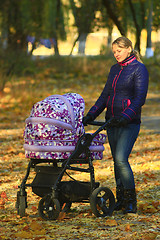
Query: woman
column 123, row 96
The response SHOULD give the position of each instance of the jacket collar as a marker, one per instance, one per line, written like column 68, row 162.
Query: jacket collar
column 127, row 61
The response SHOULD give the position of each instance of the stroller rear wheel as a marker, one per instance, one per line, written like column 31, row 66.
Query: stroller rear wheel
column 49, row 208
column 102, row 202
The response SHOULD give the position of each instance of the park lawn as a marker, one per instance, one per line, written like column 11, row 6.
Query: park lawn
column 15, row 105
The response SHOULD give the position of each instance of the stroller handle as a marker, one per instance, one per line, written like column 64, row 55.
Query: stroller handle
column 96, row 123
column 103, row 126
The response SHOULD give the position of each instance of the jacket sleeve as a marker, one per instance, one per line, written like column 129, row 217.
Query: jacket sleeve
column 100, row 104
column 141, row 88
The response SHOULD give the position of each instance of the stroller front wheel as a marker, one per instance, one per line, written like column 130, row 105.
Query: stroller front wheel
column 49, row 208
column 102, row 202
column 21, row 203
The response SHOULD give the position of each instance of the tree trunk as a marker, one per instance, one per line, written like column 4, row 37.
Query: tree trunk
column 82, row 43
column 109, row 42
column 74, row 45
column 149, row 51
column 56, row 49
column 138, row 41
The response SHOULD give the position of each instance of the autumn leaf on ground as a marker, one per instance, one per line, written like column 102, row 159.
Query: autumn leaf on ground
column 34, row 209
column 35, row 226
column 3, row 200
column 111, row 222
column 149, row 236
column 61, row 216
column 23, row 235
column 156, row 204
column 2, row 203
column 4, row 195
column 128, row 228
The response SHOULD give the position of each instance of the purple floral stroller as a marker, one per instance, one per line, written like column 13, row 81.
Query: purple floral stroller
column 55, row 143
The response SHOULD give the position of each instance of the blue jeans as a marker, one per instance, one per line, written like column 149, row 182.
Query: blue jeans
column 121, row 142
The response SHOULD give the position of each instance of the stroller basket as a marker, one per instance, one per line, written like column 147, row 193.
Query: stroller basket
column 68, row 190
column 44, row 179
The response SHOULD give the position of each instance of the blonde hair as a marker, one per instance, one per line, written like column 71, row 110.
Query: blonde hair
column 124, row 42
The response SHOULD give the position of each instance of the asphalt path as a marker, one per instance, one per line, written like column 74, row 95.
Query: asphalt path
column 151, row 123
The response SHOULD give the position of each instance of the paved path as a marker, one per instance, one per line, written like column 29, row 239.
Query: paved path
column 151, row 123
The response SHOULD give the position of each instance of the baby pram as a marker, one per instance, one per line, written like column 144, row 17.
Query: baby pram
column 55, row 143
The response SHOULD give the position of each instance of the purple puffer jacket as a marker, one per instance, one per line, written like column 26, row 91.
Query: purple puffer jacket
column 125, row 91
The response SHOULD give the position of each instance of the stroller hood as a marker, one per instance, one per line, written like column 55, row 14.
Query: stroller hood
column 66, row 110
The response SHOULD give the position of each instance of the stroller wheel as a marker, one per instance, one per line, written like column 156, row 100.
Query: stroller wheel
column 21, row 204
column 49, row 208
column 102, row 202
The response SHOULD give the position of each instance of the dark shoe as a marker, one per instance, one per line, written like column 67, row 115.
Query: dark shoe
column 120, row 198
column 130, row 201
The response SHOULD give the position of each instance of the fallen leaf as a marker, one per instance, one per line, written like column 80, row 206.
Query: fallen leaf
column 128, row 228
column 156, row 204
column 24, row 235
column 111, row 222
column 149, row 236
column 2, row 203
column 4, row 195
column 61, row 216
column 34, row 209
column 35, row 226
column 39, row 232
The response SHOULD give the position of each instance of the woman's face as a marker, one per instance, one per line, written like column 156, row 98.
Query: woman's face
column 120, row 53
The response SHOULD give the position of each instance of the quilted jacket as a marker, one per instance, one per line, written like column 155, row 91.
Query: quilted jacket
column 124, row 92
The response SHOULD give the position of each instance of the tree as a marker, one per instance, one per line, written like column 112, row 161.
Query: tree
column 84, row 15
column 19, row 19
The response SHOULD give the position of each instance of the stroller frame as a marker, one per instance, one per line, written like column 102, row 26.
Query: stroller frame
column 101, row 199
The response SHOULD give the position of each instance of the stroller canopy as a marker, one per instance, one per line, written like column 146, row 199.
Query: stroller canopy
column 54, row 127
